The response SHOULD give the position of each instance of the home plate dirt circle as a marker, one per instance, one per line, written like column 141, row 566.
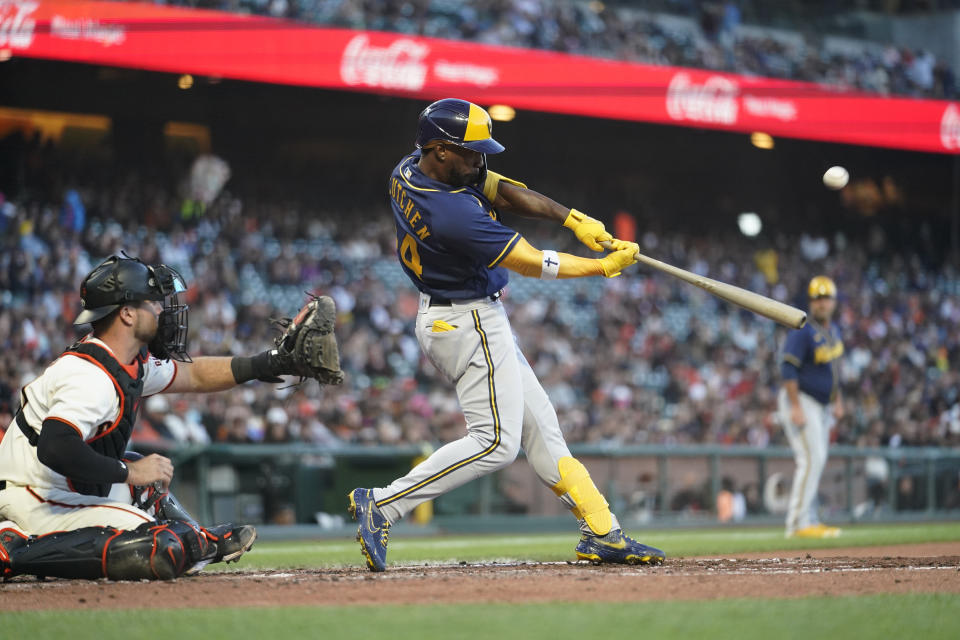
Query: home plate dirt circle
column 920, row 568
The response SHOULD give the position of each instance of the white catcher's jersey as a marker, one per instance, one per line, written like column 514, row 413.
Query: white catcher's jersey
column 80, row 394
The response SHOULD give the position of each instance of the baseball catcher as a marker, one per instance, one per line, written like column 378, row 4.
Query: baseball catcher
column 74, row 503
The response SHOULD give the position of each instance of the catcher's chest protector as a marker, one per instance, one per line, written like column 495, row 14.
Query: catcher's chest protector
column 111, row 438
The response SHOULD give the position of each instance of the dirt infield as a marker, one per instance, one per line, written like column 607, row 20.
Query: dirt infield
column 920, row 568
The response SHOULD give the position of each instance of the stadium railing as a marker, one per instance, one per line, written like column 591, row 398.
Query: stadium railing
column 647, row 485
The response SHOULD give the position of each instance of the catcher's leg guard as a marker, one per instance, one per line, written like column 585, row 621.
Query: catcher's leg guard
column 10, row 540
column 157, row 501
column 152, row 551
column 102, row 552
column 577, row 491
column 169, row 508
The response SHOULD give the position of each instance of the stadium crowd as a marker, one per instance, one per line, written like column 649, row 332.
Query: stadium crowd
column 708, row 35
column 653, row 361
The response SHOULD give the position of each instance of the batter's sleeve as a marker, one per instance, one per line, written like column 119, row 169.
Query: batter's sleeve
column 491, row 184
column 794, row 352
column 471, row 229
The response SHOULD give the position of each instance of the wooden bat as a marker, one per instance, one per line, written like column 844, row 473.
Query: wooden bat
column 766, row 307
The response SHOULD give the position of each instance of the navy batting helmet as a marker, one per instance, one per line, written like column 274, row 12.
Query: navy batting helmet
column 459, row 122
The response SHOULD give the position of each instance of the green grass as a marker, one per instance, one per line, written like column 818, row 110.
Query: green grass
column 557, row 547
column 903, row 616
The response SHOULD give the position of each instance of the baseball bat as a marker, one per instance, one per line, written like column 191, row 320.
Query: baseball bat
column 766, row 307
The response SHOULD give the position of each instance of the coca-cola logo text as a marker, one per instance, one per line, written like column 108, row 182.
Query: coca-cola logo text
column 397, row 66
column 713, row 101
column 16, row 25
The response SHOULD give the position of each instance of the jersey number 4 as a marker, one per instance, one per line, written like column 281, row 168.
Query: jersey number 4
column 411, row 255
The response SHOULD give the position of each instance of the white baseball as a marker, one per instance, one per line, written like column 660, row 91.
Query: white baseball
column 836, row 178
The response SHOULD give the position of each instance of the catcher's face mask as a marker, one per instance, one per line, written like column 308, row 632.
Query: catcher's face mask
column 170, row 342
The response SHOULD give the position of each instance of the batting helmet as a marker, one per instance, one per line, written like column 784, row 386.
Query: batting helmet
column 459, row 122
column 822, row 287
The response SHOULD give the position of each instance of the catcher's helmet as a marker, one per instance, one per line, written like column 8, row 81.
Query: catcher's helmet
column 118, row 281
column 460, row 122
column 822, row 287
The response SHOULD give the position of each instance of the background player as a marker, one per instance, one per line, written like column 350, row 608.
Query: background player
column 808, row 403
column 454, row 248
column 65, row 475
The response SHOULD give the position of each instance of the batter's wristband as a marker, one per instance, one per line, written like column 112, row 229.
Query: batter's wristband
column 549, row 265
column 246, row 368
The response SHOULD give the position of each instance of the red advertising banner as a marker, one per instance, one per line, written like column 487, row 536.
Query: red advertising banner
column 152, row 37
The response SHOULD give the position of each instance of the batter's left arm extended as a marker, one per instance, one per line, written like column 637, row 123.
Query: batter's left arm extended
column 516, row 198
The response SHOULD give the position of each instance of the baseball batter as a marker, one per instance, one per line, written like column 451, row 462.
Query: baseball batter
column 454, row 248
column 73, row 502
column 808, row 403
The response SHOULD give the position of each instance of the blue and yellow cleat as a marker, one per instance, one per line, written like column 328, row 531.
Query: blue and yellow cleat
column 374, row 529
column 617, row 548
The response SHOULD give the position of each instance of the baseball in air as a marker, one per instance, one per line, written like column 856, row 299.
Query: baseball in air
column 836, row 178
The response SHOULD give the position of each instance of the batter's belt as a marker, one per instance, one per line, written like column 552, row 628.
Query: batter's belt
column 437, row 301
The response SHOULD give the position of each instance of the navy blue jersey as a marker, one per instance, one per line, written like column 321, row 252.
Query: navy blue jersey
column 449, row 241
column 810, row 357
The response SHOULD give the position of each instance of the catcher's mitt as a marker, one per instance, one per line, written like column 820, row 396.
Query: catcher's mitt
column 308, row 347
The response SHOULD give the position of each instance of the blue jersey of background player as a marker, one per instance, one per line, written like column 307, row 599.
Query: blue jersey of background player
column 810, row 385
column 449, row 239
column 810, row 357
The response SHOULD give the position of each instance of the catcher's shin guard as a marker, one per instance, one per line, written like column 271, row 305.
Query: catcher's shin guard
column 152, row 551
column 577, row 490
column 169, row 508
column 10, row 540
column 157, row 501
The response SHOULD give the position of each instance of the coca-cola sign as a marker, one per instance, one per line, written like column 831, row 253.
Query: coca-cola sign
column 714, row 101
column 260, row 49
column 17, row 24
column 399, row 65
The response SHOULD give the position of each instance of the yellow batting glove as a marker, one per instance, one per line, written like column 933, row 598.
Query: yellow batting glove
column 613, row 263
column 617, row 245
column 588, row 230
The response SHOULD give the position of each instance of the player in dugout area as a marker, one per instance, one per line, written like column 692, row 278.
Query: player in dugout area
column 74, row 503
column 456, row 251
column 808, row 403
